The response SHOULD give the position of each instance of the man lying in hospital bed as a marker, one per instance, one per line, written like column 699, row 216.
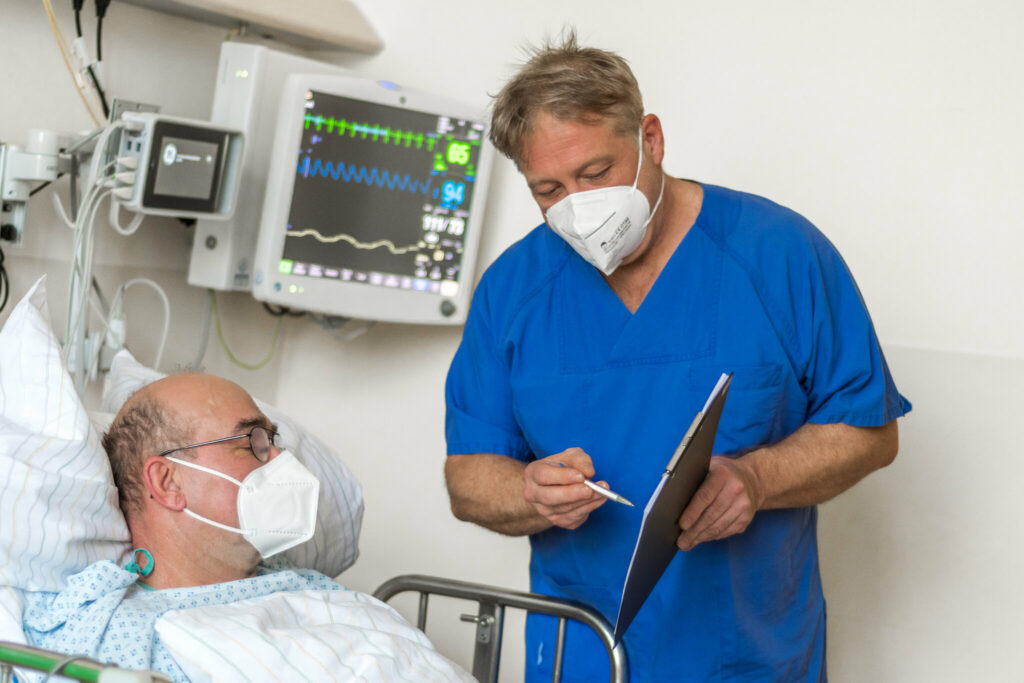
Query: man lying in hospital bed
column 220, row 517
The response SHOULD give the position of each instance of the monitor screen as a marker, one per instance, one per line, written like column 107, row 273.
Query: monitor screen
column 185, row 167
column 383, row 196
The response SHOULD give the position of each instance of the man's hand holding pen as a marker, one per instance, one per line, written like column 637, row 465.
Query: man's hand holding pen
column 555, row 487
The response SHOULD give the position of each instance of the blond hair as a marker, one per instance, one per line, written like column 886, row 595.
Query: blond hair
column 571, row 83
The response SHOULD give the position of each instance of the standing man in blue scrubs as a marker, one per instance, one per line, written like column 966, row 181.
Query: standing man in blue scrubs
column 593, row 341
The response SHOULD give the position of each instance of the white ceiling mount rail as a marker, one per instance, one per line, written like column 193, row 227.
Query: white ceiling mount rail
column 308, row 24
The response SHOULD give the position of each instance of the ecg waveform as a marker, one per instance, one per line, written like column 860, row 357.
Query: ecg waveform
column 391, row 246
column 351, row 173
column 367, row 130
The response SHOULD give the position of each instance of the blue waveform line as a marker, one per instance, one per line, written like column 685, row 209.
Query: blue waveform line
column 350, row 173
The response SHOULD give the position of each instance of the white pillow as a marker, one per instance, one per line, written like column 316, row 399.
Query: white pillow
column 339, row 515
column 58, row 504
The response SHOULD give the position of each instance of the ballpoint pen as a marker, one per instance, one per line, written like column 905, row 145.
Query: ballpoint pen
column 610, row 495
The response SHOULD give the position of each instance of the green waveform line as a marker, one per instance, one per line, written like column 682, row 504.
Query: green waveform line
column 367, row 130
column 356, row 243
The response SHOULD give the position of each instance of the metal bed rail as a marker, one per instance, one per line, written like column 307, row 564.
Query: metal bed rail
column 13, row 655
column 490, row 618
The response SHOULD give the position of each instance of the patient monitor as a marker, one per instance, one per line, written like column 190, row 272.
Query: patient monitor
column 374, row 202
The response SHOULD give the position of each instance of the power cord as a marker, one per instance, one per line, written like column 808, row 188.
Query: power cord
column 227, row 350
column 5, row 284
column 281, row 311
column 101, row 12
column 77, row 5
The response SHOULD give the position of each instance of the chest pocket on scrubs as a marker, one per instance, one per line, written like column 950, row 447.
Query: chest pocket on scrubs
column 756, row 408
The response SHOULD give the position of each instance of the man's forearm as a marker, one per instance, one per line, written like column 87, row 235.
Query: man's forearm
column 818, row 462
column 487, row 489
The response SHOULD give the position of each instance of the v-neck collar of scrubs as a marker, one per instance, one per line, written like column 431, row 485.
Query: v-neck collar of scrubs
column 586, row 270
column 654, row 326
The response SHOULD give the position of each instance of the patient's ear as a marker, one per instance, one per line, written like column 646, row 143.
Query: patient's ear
column 160, row 479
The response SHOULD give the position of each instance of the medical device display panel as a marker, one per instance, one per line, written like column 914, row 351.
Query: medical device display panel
column 177, row 167
column 385, row 192
column 185, row 168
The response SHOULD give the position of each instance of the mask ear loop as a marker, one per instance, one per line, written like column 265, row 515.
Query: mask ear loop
column 636, row 181
column 207, row 470
column 639, row 159
column 222, row 476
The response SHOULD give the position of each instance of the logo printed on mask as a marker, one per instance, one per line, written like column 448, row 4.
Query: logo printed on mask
column 605, row 225
column 276, row 504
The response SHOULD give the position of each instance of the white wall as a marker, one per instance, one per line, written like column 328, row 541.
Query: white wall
column 893, row 126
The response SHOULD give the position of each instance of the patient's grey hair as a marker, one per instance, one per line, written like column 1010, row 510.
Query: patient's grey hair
column 571, row 83
column 142, row 429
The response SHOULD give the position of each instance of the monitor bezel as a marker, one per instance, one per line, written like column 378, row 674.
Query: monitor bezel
column 348, row 298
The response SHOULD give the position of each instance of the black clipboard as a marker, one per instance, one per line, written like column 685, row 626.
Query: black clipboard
column 656, row 544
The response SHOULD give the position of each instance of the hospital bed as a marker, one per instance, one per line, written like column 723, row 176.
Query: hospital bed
column 59, row 512
column 489, row 619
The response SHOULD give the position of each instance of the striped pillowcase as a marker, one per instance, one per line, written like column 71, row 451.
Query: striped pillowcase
column 58, row 504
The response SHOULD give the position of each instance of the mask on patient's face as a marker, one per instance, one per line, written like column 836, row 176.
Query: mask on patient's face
column 276, row 504
column 605, row 225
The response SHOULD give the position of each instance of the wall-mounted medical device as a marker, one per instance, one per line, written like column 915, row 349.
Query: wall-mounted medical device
column 177, row 167
column 375, row 198
column 246, row 98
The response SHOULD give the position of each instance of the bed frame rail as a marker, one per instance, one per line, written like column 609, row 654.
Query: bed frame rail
column 56, row 664
column 490, row 618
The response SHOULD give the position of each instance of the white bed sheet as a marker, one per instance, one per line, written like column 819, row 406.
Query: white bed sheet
column 303, row 635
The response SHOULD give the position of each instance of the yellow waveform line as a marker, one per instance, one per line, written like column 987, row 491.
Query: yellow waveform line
column 391, row 246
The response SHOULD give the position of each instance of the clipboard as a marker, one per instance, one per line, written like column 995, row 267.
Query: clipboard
column 656, row 543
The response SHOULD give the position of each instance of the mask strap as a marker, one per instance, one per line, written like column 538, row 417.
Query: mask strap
column 639, row 158
column 225, row 527
column 661, row 193
column 222, row 476
column 206, row 469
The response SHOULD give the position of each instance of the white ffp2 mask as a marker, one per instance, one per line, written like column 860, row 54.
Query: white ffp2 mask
column 605, row 225
column 276, row 504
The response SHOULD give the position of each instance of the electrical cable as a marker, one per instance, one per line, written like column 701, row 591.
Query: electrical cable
column 99, row 38
column 76, row 5
column 205, row 338
column 224, row 343
column 58, row 206
column 80, row 278
column 42, row 187
column 88, row 68
column 101, row 13
column 81, row 272
column 99, row 295
column 119, row 304
column 282, row 311
column 5, row 284
column 115, row 222
column 64, row 50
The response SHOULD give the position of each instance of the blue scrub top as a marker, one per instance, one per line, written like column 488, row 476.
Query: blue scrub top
column 551, row 359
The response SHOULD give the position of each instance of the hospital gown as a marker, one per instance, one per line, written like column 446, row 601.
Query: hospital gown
column 282, row 624
column 103, row 614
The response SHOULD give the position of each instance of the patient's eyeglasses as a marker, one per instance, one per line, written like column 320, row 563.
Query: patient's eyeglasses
column 260, row 441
